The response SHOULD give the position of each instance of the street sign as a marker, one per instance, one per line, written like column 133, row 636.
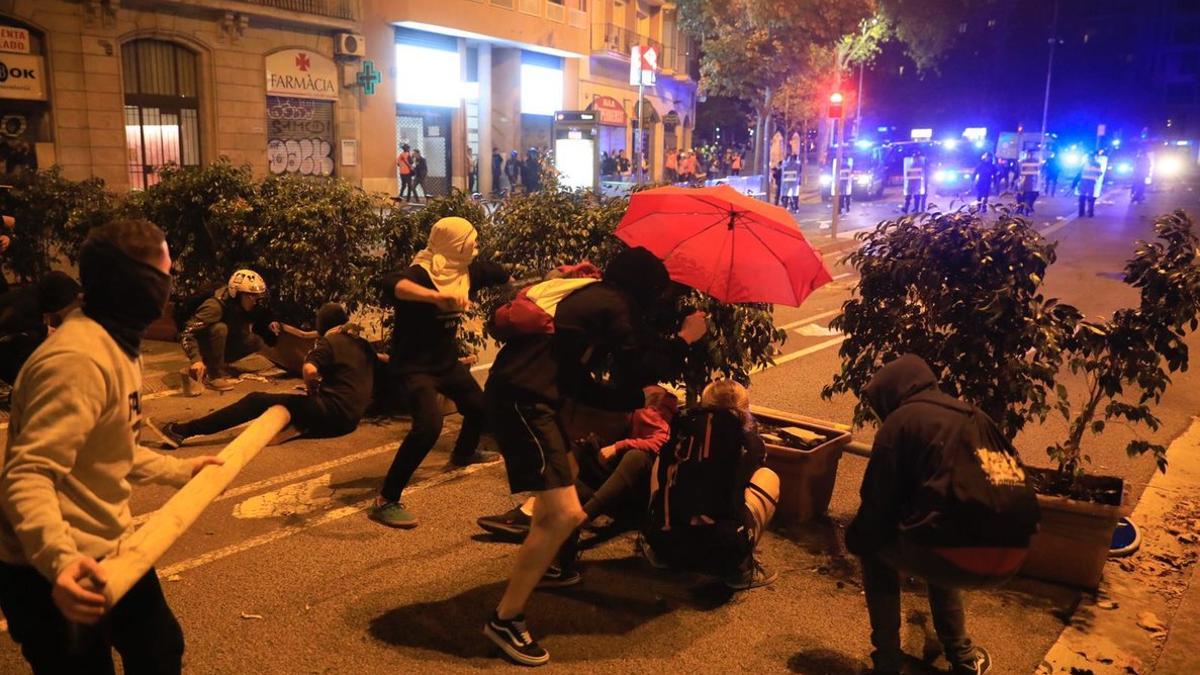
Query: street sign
column 368, row 77
column 643, row 66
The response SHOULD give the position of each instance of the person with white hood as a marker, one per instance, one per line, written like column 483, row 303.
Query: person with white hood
column 429, row 298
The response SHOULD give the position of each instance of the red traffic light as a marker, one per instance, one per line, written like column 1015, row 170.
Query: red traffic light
column 835, row 105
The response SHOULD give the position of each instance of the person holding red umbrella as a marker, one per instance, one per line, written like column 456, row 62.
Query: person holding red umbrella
column 598, row 325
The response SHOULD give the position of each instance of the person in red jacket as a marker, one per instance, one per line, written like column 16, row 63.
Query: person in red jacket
column 613, row 477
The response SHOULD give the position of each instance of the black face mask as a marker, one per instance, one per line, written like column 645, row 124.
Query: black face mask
column 122, row 294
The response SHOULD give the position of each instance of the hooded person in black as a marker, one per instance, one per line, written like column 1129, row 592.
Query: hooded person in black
column 339, row 373
column 29, row 314
column 918, row 423
column 595, row 356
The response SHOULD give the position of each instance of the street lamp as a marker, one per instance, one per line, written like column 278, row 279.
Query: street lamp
column 835, row 115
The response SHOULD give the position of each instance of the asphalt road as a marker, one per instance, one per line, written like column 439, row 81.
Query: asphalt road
column 285, row 574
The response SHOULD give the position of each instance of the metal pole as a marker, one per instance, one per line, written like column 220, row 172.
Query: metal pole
column 858, row 103
column 1046, row 100
column 837, row 170
column 641, row 129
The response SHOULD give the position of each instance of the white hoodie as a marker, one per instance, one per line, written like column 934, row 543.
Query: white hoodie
column 73, row 448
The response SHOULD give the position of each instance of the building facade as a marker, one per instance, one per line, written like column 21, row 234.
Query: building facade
column 119, row 88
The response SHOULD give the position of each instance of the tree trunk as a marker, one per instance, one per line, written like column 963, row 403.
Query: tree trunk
column 765, row 163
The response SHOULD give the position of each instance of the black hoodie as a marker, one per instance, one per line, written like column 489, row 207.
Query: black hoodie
column 918, row 421
column 597, row 328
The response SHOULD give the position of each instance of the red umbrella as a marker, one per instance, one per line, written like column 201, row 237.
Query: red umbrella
column 726, row 244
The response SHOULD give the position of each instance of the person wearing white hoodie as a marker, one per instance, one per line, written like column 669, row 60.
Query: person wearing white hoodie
column 73, row 450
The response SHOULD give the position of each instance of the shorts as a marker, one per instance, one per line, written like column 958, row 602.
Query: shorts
column 532, row 440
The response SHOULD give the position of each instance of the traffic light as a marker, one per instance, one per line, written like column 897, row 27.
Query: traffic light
column 835, row 105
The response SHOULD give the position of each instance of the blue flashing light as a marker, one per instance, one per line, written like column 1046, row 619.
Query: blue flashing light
column 1124, row 168
column 863, row 144
column 944, row 176
column 1116, row 142
column 950, row 143
column 979, row 145
column 826, row 180
column 1072, row 158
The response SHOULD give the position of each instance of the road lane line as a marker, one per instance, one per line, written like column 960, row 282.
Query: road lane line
column 288, row 530
column 282, row 478
column 801, row 353
column 809, row 319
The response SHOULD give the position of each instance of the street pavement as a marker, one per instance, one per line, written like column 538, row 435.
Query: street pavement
column 284, row 573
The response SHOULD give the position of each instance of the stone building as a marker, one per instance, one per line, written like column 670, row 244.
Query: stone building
column 118, row 88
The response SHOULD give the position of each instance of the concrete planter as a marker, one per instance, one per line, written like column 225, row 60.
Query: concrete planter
column 1072, row 542
column 806, row 477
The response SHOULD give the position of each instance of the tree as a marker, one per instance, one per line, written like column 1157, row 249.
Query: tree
column 750, row 46
column 926, row 28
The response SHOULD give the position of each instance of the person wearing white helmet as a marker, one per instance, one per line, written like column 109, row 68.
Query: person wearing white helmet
column 220, row 331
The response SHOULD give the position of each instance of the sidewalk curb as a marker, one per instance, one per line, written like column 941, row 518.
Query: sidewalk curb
column 1125, row 627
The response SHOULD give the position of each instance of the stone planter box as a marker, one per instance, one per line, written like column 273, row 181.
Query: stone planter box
column 806, row 477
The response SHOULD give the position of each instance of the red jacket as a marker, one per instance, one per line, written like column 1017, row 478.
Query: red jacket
column 650, row 427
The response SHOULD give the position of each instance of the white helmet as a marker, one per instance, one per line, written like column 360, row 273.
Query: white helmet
column 246, row 281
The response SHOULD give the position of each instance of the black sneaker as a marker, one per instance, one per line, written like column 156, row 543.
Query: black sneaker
column 513, row 523
column 558, row 577
column 170, row 434
column 754, row 576
column 979, row 663
column 512, row 636
column 477, row 457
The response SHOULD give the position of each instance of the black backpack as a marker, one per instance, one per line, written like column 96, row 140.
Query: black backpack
column 978, row 496
column 701, row 471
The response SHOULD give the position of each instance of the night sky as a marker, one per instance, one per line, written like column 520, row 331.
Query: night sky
column 1108, row 70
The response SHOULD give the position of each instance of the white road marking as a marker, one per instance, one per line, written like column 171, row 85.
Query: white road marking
column 800, row 353
column 290, row 500
column 289, row 530
column 816, row 330
column 809, row 319
column 256, row 486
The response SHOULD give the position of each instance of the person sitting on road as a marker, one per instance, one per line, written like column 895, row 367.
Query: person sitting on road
column 944, row 498
column 613, row 479
column 220, row 331
column 29, row 315
column 711, row 494
column 339, row 374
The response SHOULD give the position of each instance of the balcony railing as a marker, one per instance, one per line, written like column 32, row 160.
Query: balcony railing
column 610, row 39
column 336, row 9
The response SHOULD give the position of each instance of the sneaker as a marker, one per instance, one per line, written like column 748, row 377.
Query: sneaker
column 392, row 514
column 558, row 577
column 170, row 434
column 513, row 523
column 512, row 636
column 220, row 383
column 478, row 457
column 649, row 555
column 979, row 663
column 755, row 577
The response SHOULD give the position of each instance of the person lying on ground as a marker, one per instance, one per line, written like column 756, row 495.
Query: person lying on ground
column 73, row 450
column 339, row 374
column 220, row 330
column 28, row 315
column 614, row 479
column 711, row 494
column 945, row 499
column 599, row 324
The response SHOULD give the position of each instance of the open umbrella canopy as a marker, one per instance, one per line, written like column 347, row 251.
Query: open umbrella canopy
column 726, row 244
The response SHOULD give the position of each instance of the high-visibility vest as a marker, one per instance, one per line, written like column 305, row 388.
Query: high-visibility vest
column 844, row 178
column 1091, row 173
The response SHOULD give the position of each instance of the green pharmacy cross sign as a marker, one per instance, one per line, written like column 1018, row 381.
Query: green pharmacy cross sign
column 368, row 77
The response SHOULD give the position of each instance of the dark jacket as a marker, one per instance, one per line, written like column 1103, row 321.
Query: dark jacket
column 220, row 308
column 595, row 329
column 918, row 420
